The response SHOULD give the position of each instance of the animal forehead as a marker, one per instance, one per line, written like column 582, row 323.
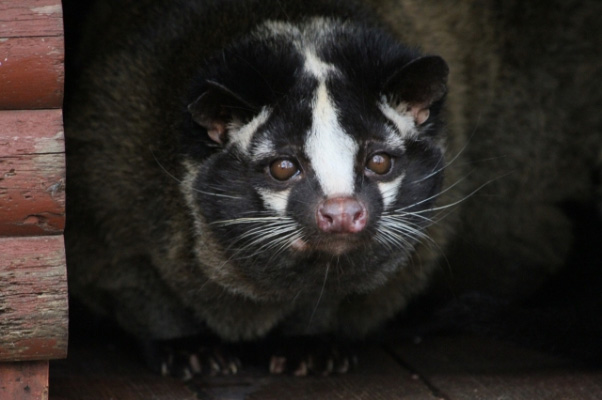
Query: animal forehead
column 315, row 31
column 324, row 113
column 307, row 39
column 339, row 113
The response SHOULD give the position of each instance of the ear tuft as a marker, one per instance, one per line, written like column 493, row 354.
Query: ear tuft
column 217, row 108
column 417, row 85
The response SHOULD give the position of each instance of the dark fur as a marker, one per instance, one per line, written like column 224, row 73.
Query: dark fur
column 130, row 235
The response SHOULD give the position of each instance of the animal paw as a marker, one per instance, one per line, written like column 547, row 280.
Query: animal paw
column 313, row 358
column 185, row 360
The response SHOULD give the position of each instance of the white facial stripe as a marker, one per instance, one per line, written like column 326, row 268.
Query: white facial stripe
column 242, row 136
column 305, row 39
column 393, row 138
column 282, row 28
column 404, row 122
column 263, row 149
column 389, row 190
column 331, row 151
column 316, row 67
column 275, row 200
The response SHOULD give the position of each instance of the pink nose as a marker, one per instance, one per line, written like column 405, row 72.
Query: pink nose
column 341, row 215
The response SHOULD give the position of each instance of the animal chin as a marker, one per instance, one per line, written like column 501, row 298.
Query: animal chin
column 335, row 244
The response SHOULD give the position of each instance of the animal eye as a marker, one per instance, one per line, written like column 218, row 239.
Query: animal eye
column 283, row 169
column 379, row 163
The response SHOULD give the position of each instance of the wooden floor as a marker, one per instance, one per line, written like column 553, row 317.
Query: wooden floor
column 447, row 367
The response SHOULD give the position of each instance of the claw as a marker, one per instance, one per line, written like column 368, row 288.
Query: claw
column 277, row 365
column 344, row 367
column 164, row 369
column 233, row 368
column 302, row 370
column 186, row 375
column 195, row 364
column 215, row 369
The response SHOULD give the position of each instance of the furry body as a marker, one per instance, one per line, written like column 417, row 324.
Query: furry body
column 153, row 190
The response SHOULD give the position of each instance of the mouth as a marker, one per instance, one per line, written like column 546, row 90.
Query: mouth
column 336, row 244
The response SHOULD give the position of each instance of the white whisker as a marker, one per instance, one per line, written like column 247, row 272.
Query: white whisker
column 435, row 195
column 400, row 228
column 249, row 220
column 172, row 176
column 455, row 203
column 264, row 234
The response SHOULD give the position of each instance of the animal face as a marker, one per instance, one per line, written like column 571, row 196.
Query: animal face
column 326, row 145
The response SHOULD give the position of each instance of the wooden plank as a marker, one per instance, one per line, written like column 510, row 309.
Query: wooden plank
column 33, row 299
column 32, row 173
column 474, row 368
column 378, row 377
column 23, row 18
column 109, row 372
column 31, row 72
column 24, row 380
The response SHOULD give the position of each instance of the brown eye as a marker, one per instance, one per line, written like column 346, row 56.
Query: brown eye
column 283, row 169
column 379, row 163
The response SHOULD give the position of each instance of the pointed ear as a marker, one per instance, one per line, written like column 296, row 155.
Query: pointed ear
column 217, row 108
column 417, row 85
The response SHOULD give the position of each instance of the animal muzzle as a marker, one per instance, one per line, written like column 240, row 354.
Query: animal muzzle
column 341, row 215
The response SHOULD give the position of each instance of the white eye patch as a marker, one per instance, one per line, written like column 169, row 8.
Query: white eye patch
column 403, row 121
column 390, row 190
column 242, row 135
column 276, row 201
